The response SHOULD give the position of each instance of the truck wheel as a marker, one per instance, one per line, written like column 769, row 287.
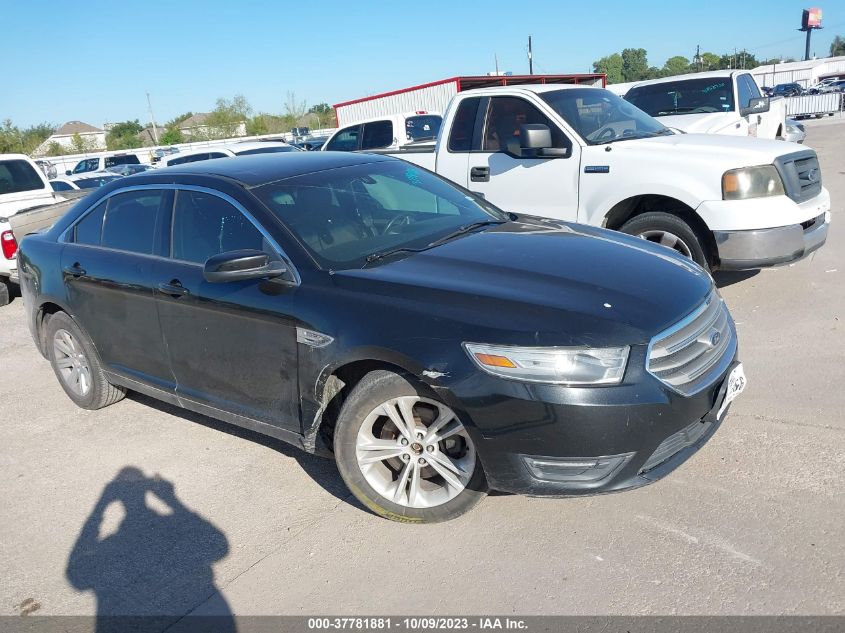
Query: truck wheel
column 4, row 292
column 670, row 231
column 404, row 454
column 77, row 366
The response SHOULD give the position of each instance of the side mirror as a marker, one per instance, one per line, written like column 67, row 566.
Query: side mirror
column 241, row 265
column 757, row 105
column 535, row 141
column 67, row 172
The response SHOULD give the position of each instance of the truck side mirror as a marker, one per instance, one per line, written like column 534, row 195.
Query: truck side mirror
column 535, row 141
column 756, row 105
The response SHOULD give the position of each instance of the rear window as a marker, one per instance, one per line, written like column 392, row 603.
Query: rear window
column 421, row 127
column 17, row 176
column 378, row 134
column 95, row 182
column 187, row 159
column 127, row 159
column 266, row 150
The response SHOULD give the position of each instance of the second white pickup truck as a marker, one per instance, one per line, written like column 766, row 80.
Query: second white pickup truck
column 585, row 155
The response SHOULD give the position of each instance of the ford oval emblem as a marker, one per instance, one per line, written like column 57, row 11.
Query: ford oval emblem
column 813, row 175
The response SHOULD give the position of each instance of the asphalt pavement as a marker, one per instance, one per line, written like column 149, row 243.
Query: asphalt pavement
column 217, row 520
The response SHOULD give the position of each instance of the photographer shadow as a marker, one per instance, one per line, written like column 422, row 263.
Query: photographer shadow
column 155, row 566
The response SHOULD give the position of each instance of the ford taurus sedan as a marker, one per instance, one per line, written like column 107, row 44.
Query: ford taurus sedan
column 365, row 309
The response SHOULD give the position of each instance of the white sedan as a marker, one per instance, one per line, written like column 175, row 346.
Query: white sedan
column 226, row 151
column 88, row 180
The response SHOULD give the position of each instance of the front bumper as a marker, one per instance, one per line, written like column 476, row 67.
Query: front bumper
column 742, row 250
column 548, row 440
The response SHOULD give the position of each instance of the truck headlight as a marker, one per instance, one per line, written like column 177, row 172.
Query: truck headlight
column 557, row 365
column 751, row 182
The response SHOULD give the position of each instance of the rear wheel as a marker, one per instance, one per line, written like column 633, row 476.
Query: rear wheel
column 77, row 366
column 405, row 454
column 4, row 292
column 670, row 231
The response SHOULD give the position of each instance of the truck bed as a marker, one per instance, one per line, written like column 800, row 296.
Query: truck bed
column 32, row 220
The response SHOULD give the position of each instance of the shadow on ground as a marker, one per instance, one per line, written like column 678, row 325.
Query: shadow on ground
column 147, row 557
column 323, row 471
column 724, row 278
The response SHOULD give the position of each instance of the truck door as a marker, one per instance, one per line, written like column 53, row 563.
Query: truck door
column 538, row 186
column 753, row 124
column 453, row 152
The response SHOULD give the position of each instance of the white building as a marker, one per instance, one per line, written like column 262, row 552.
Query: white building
column 806, row 73
column 194, row 128
column 93, row 138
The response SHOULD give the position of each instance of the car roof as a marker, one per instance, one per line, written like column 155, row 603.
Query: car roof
column 193, row 152
column 88, row 174
column 259, row 169
column 248, row 145
column 524, row 88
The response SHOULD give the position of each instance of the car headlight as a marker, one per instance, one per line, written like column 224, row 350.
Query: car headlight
column 557, row 365
column 751, row 182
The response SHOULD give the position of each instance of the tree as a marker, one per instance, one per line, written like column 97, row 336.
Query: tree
column 634, row 64
column 709, row 61
column 13, row 140
column 226, row 118
column 256, row 126
column 124, row 135
column 56, row 149
column 837, row 46
column 294, row 109
column 174, row 122
column 611, row 65
column 80, row 145
column 677, row 65
column 171, row 136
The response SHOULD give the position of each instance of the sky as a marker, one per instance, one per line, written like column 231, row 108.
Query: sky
column 95, row 61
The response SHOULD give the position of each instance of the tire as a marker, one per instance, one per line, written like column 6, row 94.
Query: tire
column 77, row 366
column 408, row 481
column 4, row 292
column 669, row 230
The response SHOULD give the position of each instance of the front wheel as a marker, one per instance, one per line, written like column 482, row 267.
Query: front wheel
column 404, row 454
column 670, row 231
column 4, row 292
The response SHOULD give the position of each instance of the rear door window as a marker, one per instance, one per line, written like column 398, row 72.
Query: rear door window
column 89, row 164
column 130, row 220
column 463, row 125
column 346, row 140
column 90, row 228
column 17, row 176
column 377, row 135
column 424, row 126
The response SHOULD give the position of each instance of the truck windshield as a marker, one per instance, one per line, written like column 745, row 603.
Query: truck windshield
column 351, row 216
column 17, row 176
column 690, row 96
column 422, row 127
column 599, row 116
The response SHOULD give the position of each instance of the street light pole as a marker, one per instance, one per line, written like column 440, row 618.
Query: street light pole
column 152, row 118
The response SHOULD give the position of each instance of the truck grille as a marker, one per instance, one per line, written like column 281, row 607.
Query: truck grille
column 690, row 354
column 801, row 175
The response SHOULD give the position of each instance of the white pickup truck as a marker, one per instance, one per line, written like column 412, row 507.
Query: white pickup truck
column 585, row 155
column 22, row 186
column 718, row 102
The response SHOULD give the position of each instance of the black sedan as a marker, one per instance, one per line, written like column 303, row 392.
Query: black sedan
column 363, row 308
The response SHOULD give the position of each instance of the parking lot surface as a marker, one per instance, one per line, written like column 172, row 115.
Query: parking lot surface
column 218, row 520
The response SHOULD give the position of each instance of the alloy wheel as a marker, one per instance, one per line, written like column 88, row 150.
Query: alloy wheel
column 415, row 452
column 71, row 362
column 670, row 240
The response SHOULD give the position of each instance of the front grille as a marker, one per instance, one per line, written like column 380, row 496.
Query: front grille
column 689, row 355
column 802, row 177
column 676, row 443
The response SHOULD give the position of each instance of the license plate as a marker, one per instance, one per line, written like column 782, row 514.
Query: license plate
column 736, row 384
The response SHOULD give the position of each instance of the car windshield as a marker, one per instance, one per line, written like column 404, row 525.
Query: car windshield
column 17, row 176
column 93, row 183
column 422, row 127
column 346, row 215
column 690, row 96
column 599, row 116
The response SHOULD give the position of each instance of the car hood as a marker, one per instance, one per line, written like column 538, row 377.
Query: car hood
column 541, row 282
column 714, row 149
column 702, row 123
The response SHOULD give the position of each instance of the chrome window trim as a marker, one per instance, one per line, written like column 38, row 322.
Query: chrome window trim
column 63, row 238
column 722, row 364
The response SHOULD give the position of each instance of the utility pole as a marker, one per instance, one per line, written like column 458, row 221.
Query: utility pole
column 496, row 58
column 530, row 58
column 152, row 118
column 698, row 57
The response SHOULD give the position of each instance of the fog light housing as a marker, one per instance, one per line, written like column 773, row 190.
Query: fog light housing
column 583, row 470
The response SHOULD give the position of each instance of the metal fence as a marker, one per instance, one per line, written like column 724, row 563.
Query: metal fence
column 815, row 105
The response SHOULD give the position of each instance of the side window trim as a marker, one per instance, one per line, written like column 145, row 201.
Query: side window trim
column 68, row 233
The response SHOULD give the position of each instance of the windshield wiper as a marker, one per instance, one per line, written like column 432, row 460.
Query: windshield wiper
column 373, row 257
column 675, row 110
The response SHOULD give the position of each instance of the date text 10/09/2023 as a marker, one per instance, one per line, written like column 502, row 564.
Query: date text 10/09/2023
column 416, row 623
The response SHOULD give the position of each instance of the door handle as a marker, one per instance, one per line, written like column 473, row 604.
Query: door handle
column 479, row 174
column 74, row 271
column 173, row 288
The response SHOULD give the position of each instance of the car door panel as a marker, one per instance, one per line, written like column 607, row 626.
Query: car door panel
column 231, row 345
